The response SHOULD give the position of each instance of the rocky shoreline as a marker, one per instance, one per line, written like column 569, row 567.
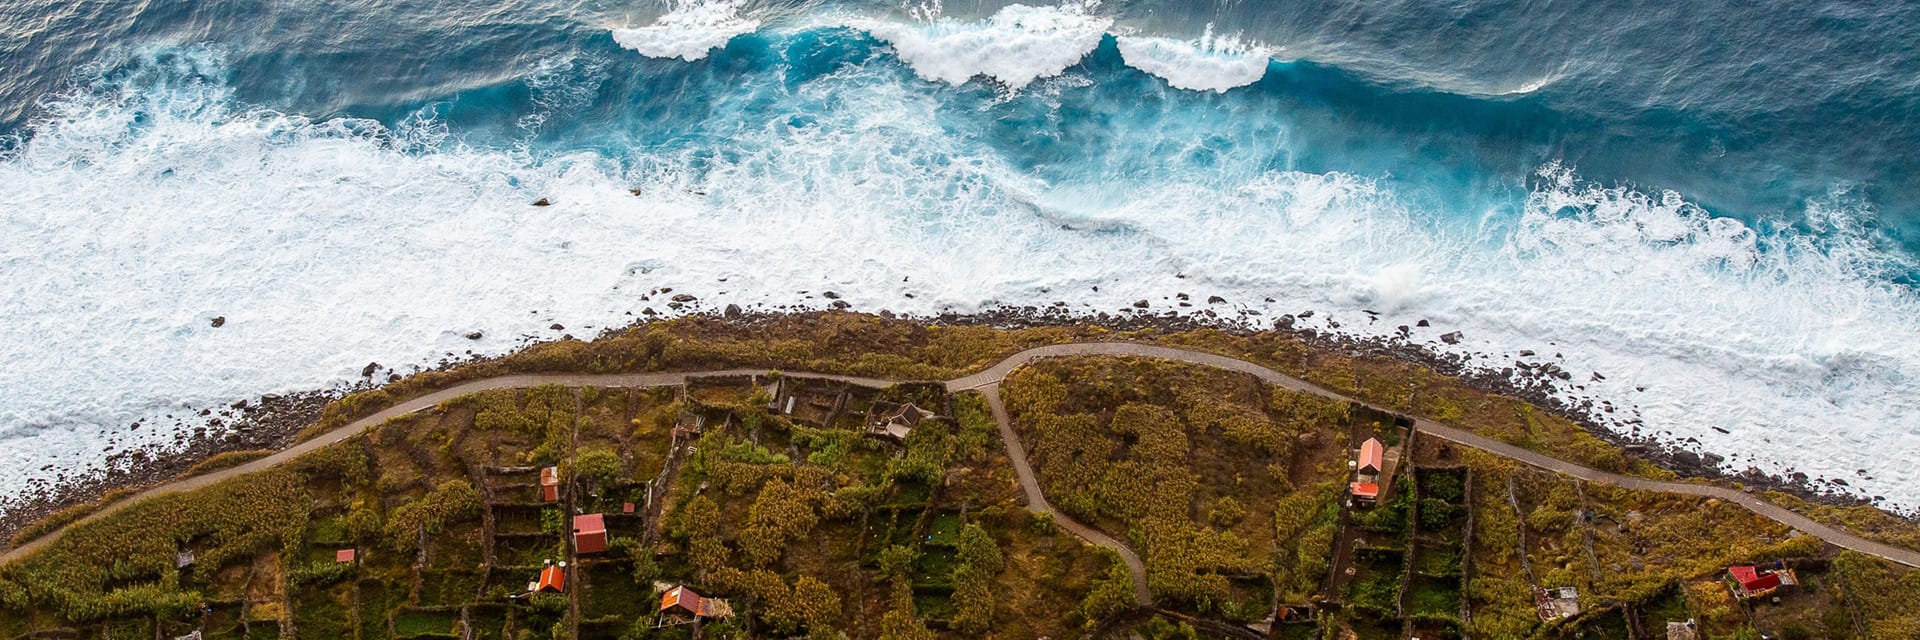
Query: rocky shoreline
column 275, row 421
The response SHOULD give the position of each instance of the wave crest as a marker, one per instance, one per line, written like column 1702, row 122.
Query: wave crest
column 1211, row 63
column 691, row 31
column 1015, row 46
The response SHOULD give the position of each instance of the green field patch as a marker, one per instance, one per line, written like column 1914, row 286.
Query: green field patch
column 611, row 591
column 908, row 494
column 457, row 549
column 489, row 621
column 328, row 531
column 1438, row 562
column 442, row 588
column 377, row 600
column 934, row 567
column 1670, row 605
column 944, row 531
column 322, row 613
column 1433, row 598
column 517, row 519
column 1376, row 582
column 411, row 622
column 527, row 551
column 933, row 603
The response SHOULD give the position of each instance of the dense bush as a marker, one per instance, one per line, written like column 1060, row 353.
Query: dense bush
column 453, row 501
column 973, row 593
column 235, row 518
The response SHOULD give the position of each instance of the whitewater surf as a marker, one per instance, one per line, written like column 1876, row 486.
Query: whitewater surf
column 922, row 162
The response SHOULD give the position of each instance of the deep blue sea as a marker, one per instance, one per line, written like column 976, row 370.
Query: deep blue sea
column 1715, row 206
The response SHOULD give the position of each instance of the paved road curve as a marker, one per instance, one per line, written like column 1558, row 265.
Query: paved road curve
column 987, row 381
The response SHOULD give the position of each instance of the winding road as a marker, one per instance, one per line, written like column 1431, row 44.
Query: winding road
column 987, row 383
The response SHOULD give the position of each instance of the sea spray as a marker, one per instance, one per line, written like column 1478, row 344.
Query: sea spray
column 153, row 199
column 1211, row 63
column 690, row 31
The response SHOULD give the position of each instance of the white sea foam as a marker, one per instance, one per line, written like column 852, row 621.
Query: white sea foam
column 1015, row 46
column 1212, row 63
column 136, row 213
column 691, row 31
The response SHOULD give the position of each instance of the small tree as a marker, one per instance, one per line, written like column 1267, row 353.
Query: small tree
column 973, row 596
column 599, row 465
column 899, row 623
column 896, row 560
column 817, row 605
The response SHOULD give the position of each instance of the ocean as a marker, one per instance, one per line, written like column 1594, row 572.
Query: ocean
column 1712, row 205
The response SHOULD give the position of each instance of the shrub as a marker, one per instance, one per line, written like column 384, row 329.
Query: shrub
column 452, row 501
column 1225, row 512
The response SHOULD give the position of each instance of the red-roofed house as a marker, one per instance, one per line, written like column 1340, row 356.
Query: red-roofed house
column 343, row 555
column 550, row 484
column 682, row 599
column 552, row 579
column 1371, row 452
column 680, row 605
column 589, row 533
column 1748, row 581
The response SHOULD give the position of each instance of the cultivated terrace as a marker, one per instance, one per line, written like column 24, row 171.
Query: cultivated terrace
column 787, row 503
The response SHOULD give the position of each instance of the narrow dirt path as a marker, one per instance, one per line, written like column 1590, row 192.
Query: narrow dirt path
column 992, row 377
column 1037, row 499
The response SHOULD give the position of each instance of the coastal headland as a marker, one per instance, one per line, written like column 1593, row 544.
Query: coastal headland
column 1037, row 431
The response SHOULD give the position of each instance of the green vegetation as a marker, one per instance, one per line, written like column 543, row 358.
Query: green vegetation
column 1231, row 491
column 1133, row 446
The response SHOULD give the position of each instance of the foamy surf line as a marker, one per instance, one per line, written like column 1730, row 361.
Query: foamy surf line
column 1013, row 47
column 328, row 245
column 690, row 31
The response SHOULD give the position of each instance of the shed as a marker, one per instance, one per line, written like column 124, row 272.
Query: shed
column 1752, row 582
column 1371, row 455
column 549, row 484
column 589, row 533
column 552, row 579
column 1365, row 492
column 680, row 600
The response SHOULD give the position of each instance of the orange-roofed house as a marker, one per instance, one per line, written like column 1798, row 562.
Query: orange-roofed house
column 550, row 484
column 1748, row 581
column 1370, row 461
column 552, row 579
column 1364, row 493
column 589, row 533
